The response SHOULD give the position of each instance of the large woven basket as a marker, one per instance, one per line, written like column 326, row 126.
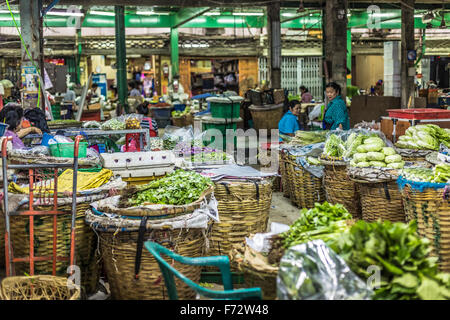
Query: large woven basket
column 85, row 245
column 243, row 209
column 381, row 201
column 119, row 250
column 38, row 288
column 306, row 189
column 432, row 211
column 339, row 188
column 284, row 169
column 265, row 156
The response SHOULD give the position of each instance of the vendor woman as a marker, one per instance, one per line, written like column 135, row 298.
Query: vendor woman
column 336, row 114
column 289, row 123
column 13, row 117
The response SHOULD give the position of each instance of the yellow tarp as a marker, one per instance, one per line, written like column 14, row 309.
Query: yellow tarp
column 85, row 181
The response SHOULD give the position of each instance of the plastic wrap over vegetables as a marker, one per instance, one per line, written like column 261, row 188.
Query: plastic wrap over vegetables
column 312, row 271
column 307, row 157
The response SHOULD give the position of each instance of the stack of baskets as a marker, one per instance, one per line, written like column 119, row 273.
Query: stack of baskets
column 339, row 188
column 379, row 194
column 244, row 207
column 305, row 188
column 429, row 204
column 265, row 154
column 132, row 272
column 38, row 288
column 284, row 169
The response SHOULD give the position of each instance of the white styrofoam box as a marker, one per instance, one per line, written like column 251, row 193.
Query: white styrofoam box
column 139, row 173
column 137, row 160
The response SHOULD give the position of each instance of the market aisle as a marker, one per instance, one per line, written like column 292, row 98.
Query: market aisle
column 282, row 210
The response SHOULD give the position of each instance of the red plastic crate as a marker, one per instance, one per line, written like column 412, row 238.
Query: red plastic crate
column 419, row 114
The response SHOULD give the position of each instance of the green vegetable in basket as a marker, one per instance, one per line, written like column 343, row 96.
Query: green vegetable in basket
column 375, row 156
column 313, row 161
column 418, row 174
column 396, row 165
column 363, row 164
column 374, row 147
column 361, row 149
column 353, row 146
column 393, row 158
column 352, row 163
column 406, row 270
column 360, row 157
column 350, row 140
column 441, row 173
column 373, row 140
column 334, row 146
column 388, row 151
column 379, row 164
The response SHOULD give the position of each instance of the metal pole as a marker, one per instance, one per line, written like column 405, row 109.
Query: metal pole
column 407, row 67
column 274, row 36
column 121, row 55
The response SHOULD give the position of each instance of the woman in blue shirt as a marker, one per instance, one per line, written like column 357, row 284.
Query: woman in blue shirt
column 289, row 123
column 336, row 114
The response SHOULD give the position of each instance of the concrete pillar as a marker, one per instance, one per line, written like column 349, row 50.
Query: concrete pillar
column 32, row 49
column 121, row 56
column 407, row 67
column 174, row 52
column 274, row 37
column 336, row 41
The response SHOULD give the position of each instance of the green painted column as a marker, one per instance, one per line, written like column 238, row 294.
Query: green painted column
column 121, row 56
column 174, row 52
column 78, row 57
column 349, row 56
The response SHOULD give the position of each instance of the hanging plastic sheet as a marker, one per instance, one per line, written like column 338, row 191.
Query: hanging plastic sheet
column 312, row 271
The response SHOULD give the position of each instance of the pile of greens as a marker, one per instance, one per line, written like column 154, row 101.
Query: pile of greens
column 113, row 124
column 179, row 188
column 170, row 142
column 439, row 174
column 179, row 114
column 209, row 156
column 304, row 138
column 406, row 271
column 334, row 146
column 319, row 222
column 428, row 136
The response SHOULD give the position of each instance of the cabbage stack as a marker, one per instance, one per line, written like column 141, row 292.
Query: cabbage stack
column 374, row 153
column 428, row 137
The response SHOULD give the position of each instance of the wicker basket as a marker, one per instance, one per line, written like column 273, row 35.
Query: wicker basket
column 119, row 248
column 38, row 288
column 306, row 189
column 85, row 245
column 243, row 209
column 265, row 156
column 183, row 121
column 381, row 201
column 432, row 213
column 284, row 168
column 339, row 188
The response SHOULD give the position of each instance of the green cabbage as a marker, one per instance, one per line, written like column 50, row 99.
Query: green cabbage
column 350, row 139
column 377, row 164
column 363, row 164
column 396, row 165
column 361, row 149
column 334, row 146
column 360, row 157
column 375, row 156
column 373, row 140
column 352, row 163
column 388, row 151
column 351, row 150
column 374, row 147
column 393, row 158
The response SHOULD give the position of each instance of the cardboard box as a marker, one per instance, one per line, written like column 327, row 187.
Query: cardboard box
column 93, row 107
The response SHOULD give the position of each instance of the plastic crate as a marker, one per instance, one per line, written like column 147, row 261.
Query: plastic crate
column 3, row 127
column 419, row 114
column 161, row 113
column 56, row 112
column 66, row 150
column 179, row 107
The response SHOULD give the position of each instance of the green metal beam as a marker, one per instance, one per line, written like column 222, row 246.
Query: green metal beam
column 121, row 56
column 174, row 52
column 349, row 57
column 187, row 14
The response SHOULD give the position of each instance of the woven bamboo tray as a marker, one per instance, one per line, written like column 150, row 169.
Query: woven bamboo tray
column 85, row 245
column 432, row 213
column 243, row 209
column 119, row 254
column 339, row 188
column 284, row 168
column 306, row 189
column 38, row 288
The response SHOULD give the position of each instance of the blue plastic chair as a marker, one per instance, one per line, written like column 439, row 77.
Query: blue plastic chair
column 222, row 262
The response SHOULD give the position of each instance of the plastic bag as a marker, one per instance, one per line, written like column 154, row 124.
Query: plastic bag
column 316, row 112
column 260, row 242
column 177, row 138
column 92, row 124
column 312, row 150
column 59, row 139
column 312, row 271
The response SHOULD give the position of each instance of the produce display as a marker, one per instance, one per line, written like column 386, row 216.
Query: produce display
column 209, row 156
column 406, row 271
column 373, row 152
column 179, row 188
column 439, row 174
column 170, row 142
column 132, row 123
column 179, row 114
column 304, row 138
column 113, row 124
column 428, row 136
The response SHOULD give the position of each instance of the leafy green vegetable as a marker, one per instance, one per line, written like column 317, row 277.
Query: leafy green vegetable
column 379, row 164
column 363, row 164
column 388, row 151
column 179, row 188
column 427, row 137
column 396, row 165
column 406, row 270
column 375, row 156
column 393, row 158
column 360, row 157
column 334, row 146
column 304, row 138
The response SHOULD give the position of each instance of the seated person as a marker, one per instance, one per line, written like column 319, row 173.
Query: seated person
column 13, row 116
column 289, row 124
